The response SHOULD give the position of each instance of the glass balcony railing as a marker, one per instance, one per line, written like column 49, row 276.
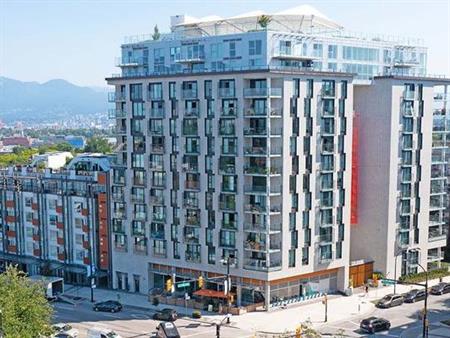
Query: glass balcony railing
column 157, row 112
column 189, row 93
column 226, row 92
column 262, row 92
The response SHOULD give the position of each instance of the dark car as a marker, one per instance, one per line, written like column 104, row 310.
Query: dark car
column 108, row 306
column 168, row 315
column 440, row 289
column 390, row 301
column 374, row 324
column 414, row 296
column 167, row 330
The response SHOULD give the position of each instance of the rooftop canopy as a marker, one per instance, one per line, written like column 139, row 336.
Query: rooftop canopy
column 301, row 19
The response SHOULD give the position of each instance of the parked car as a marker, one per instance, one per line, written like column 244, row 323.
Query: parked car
column 440, row 289
column 168, row 315
column 63, row 330
column 390, row 301
column 414, row 296
column 108, row 306
column 167, row 330
column 374, row 324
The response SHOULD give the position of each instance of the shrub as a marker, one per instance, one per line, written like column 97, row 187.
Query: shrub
column 421, row 276
column 155, row 301
column 196, row 314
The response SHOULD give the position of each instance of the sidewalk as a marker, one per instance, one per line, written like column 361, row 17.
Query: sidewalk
column 277, row 320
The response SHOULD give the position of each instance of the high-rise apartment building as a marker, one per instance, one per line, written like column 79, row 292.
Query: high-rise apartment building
column 56, row 222
column 402, row 158
column 235, row 140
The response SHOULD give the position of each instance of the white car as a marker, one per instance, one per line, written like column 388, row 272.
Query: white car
column 100, row 332
column 63, row 330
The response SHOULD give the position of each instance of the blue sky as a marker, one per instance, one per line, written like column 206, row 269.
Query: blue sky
column 79, row 40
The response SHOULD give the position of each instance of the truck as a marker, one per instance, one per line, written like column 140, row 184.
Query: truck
column 53, row 286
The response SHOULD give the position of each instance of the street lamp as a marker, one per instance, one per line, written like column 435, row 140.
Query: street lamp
column 228, row 261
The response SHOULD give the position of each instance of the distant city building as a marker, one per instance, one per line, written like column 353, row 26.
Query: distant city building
column 53, row 160
column 57, row 223
column 78, row 142
column 23, row 141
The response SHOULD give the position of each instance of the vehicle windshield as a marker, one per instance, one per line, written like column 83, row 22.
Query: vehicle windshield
column 369, row 320
column 386, row 298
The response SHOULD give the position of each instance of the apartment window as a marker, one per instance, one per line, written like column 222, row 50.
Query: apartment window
column 292, row 258
column 136, row 92
column 208, row 89
column 211, row 255
column 53, row 219
column 155, row 91
column 52, row 204
column 28, row 201
column 29, row 216
column 232, row 49
column 360, row 53
column 305, row 256
column 317, row 50
column 78, row 239
column 332, row 51
column 254, row 47
column 216, row 50
column 309, row 93
column 172, row 90
column 175, row 53
column 227, row 238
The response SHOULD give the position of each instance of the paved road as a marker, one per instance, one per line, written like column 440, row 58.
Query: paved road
column 404, row 319
column 134, row 322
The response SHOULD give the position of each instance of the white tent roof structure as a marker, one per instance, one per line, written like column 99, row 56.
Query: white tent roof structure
column 300, row 19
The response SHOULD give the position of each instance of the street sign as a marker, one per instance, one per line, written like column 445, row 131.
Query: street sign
column 186, row 296
column 183, row 284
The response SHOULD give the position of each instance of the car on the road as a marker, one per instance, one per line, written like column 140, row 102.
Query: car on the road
column 374, row 324
column 414, row 296
column 168, row 315
column 390, row 301
column 63, row 330
column 108, row 306
column 440, row 289
column 101, row 332
column 167, row 330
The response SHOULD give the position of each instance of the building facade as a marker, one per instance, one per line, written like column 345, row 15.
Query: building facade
column 402, row 161
column 56, row 222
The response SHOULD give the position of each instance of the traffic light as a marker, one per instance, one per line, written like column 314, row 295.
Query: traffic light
column 169, row 285
column 201, row 282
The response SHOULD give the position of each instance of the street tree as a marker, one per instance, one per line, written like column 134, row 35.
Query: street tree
column 24, row 310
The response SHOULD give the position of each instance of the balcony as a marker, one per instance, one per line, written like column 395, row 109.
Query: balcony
column 117, row 113
column 261, row 264
column 35, row 222
column 227, row 169
column 61, row 256
column 117, row 96
column 34, row 206
column 161, row 218
column 86, row 261
column 192, row 112
column 408, row 94
column 156, row 130
column 253, row 189
column 157, row 200
column 85, row 228
column 86, row 245
column 192, row 185
column 60, row 241
column 192, row 150
column 255, row 208
column 37, row 252
column 228, row 112
column 232, row 225
column 36, row 237
column 255, row 245
column 120, row 130
column 193, row 257
column 60, row 225
column 189, row 94
column 262, row 92
column 258, row 171
column 435, row 235
column 226, row 92
column 190, row 203
column 10, row 219
column 118, row 228
column 118, row 197
column 129, row 62
column 405, row 63
column 157, row 148
column 157, row 113
column 12, row 248
column 262, row 112
column 10, row 233
column 156, row 166
column 227, row 206
column 193, row 220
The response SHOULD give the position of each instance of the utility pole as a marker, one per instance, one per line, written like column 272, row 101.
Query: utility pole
column 425, row 317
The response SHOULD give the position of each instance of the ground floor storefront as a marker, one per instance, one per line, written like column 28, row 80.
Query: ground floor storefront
column 245, row 292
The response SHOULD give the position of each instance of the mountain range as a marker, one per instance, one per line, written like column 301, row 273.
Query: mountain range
column 52, row 100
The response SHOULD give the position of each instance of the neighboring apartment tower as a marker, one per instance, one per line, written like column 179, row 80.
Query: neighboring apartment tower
column 404, row 137
column 56, row 222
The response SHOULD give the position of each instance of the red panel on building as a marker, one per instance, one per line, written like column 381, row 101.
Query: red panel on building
column 103, row 231
column 355, row 169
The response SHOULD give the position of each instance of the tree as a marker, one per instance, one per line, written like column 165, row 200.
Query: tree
column 97, row 144
column 24, row 310
column 156, row 35
column 264, row 21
